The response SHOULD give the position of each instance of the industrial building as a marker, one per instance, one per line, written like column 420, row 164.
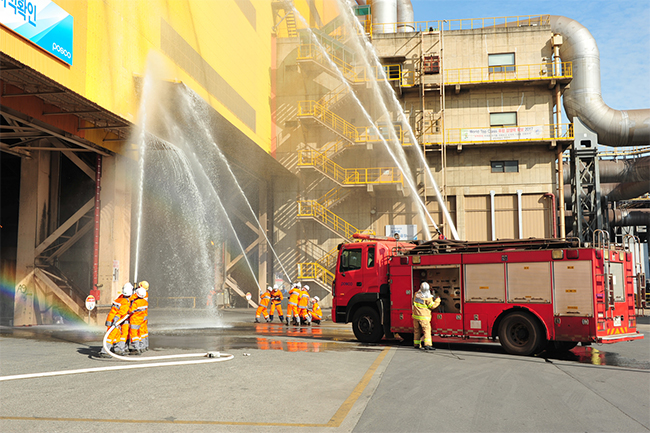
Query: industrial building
column 312, row 124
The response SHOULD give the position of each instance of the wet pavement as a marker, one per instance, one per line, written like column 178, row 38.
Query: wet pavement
column 328, row 380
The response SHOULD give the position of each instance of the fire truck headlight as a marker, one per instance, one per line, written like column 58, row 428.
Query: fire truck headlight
column 585, row 321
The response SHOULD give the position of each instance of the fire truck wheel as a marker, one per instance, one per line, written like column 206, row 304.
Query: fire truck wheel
column 521, row 334
column 366, row 325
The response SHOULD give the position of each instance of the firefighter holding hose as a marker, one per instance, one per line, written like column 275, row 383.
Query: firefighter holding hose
column 423, row 303
column 292, row 305
column 119, row 309
column 265, row 298
column 276, row 303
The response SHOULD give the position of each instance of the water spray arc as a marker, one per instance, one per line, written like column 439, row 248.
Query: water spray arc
column 193, row 99
column 371, row 54
column 422, row 209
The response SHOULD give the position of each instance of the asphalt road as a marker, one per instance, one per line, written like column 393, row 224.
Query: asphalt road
column 316, row 379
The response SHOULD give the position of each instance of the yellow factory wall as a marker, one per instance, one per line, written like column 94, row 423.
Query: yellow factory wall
column 224, row 44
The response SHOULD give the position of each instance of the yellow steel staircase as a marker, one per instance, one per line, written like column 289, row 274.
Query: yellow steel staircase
column 355, row 135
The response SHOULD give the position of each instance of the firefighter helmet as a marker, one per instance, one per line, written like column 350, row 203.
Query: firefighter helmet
column 144, row 285
column 316, row 299
column 424, row 289
column 127, row 289
column 306, row 287
column 269, row 289
column 141, row 292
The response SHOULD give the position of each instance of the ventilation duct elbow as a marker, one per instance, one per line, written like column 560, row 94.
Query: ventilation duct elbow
column 583, row 97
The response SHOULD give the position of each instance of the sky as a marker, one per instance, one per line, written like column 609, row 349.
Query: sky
column 621, row 29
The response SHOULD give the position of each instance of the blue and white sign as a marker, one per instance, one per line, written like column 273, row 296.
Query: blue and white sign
column 406, row 232
column 41, row 22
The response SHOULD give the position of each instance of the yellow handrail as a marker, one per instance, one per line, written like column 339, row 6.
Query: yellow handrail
column 349, row 176
column 465, row 24
column 488, row 74
column 314, row 271
column 355, row 74
column 362, row 134
column 562, row 131
column 313, row 209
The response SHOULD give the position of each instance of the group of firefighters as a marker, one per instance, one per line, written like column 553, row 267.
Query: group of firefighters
column 132, row 334
column 301, row 309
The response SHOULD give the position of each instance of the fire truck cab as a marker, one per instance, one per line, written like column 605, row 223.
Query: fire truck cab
column 531, row 294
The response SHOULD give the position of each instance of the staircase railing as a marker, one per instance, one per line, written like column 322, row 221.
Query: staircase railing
column 349, row 176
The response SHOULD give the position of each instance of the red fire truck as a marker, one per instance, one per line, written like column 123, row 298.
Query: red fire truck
column 533, row 294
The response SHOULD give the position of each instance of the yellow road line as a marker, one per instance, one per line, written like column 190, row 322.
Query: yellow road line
column 335, row 421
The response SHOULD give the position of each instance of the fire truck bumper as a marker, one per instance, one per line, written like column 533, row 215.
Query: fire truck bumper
column 619, row 337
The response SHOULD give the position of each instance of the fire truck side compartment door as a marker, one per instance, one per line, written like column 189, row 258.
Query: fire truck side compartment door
column 529, row 282
column 573, row 288
column 616, row 269
column 485, row 282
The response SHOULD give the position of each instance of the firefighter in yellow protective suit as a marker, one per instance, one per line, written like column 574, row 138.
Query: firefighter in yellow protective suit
column 292, row 304
column 120, row 308
column 423, row 303
column 144, row 327
column 138, row 312
column 265, row 298
column 303, row 304
column 316, row 314
column 276, row 303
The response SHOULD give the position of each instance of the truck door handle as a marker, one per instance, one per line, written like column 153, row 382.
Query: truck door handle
column 358, row 283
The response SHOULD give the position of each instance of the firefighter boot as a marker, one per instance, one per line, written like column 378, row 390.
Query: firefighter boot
column 429, row 348
column 257, row 320
column 281, row 318
column 270, row 318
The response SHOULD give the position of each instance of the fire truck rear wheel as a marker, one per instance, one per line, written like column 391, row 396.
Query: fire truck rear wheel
column 521, row 334
column 367, row 326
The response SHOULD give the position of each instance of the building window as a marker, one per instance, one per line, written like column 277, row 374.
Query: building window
column 505, row 166
column 501, row 62
column 501, row 120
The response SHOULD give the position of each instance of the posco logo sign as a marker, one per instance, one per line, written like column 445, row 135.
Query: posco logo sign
column 60, row 49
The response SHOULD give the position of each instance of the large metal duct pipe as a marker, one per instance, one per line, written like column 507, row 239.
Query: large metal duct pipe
column 384, row 16
column 583, row 98
column 614, row 191
column 405, row 16
column 629, row 217
column 626, row 170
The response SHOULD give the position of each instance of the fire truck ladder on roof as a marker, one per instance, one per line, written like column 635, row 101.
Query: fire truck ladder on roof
column 446, row 246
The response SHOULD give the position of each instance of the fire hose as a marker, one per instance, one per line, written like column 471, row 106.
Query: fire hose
column 212, row 356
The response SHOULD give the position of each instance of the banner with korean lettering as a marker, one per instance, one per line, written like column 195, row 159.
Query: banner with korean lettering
column 41, row 22
column 514, row 133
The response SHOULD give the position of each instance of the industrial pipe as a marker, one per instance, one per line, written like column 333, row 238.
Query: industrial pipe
column 405, row 16
column 552, row 196
column 629, row 217
column 582, row 98
column 520, row 214
column 493, row 215
column 384, row 16
column 614, row 191
column 613, row 171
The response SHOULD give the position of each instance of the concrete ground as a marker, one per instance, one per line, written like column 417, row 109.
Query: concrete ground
column 317, row 379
